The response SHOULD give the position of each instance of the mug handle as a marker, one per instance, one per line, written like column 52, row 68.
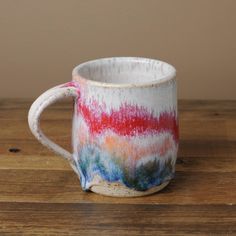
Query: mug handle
column 42, row 102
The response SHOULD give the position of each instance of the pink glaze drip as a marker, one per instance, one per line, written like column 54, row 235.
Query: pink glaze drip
column 128, row 120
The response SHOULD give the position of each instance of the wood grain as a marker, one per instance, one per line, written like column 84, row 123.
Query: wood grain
column 113, row 219
column 56, row 186
column 41, row 195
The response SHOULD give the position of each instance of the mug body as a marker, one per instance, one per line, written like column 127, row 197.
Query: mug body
column 125, row 125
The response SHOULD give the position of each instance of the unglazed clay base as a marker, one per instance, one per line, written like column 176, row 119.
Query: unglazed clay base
column 118, row 190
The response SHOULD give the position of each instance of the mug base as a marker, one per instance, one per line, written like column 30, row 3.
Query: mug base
column 118, row 190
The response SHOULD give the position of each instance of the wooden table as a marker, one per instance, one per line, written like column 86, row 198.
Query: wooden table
column 41, row 195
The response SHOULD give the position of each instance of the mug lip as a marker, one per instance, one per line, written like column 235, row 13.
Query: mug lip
column 76, row 77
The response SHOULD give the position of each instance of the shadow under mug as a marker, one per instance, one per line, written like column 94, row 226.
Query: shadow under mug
column 125, row 125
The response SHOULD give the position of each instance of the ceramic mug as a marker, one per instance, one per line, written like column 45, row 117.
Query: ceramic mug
column 125, row 125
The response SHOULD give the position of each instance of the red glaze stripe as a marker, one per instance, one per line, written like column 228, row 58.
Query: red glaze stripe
column 128, row 120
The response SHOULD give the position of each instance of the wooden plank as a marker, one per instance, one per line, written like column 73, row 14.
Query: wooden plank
column 208, row 149
column 53, row 112
column 207, row 105
column 61, row 128
column 63, row 109
column 19, row 129
column 25, row 103
column 194, row 155
column 218, row 121
column 55, row 186
column 207, row 155
column 41, row 195
column 29, row 147
column 109, row 219
column 183, row 104
column 33, row 162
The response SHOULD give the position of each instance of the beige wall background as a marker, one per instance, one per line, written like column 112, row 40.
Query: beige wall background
column 41, row 41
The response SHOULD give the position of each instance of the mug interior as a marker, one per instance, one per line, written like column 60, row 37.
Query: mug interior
column 125, row 71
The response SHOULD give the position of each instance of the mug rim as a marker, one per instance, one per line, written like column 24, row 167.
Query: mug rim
column 162, row 79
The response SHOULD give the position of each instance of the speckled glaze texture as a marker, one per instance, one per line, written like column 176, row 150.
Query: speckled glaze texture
column 125, row 125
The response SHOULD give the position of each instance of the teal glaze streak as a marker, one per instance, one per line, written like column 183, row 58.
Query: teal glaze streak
column 91, row 162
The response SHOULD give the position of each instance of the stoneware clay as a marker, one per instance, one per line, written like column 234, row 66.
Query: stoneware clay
column 125, row 126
